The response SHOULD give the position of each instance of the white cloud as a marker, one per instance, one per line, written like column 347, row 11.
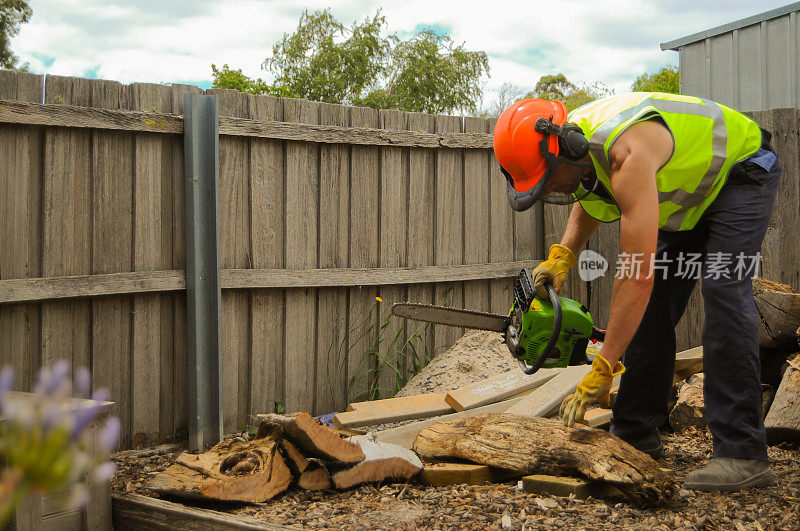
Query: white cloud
column 610, row 41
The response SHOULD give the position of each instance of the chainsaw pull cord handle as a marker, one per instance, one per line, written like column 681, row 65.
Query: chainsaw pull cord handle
column 551, row 344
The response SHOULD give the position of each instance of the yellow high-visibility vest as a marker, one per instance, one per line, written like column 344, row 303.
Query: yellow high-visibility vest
column 708, row 137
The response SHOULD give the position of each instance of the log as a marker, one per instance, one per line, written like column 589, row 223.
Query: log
column 779, row 314
column 232, row 470
column 544, row 446
column 315, row 476
column 783, row 419
column 690, row 409
column 382, row 461
column 314, row 439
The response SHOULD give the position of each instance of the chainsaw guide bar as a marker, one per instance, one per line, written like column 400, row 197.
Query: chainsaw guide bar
column 451, row 316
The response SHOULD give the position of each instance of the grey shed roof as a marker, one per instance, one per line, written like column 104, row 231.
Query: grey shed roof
column 749, row 21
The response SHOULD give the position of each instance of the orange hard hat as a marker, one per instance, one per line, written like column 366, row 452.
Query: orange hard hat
column 516, row 141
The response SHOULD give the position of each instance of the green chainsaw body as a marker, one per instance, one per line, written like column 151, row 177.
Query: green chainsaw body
column 537, row 324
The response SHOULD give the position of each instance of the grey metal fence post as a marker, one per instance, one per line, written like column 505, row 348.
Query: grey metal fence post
column 203, row 292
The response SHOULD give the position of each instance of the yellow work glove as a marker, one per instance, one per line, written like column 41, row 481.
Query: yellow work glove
column 555, row 269
column 595, row 387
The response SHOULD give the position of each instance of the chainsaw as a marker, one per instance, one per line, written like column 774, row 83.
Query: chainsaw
column 553, row 332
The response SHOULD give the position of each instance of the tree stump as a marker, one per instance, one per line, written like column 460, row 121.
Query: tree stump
column 690, row 409
column 779, row 314
column 545, row 446
column 783, row 420
column 314, row 439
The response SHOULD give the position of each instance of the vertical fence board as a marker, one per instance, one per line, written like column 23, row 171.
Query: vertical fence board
column 364, row 191
column 20, row 241
column 421, row 200
column 112, row 203
column 605, row 241
column 393, row 214
column 66, row 325
column 449, row 233
column 302, row 193
column 177, row 208
column 266, row 233
column 476, row 215
column 234, row 212
column 148, row 173
column 501, row 235
column 555, row 221
column 334, row 245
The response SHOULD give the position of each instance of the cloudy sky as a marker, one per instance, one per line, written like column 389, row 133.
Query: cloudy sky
column 607, row 41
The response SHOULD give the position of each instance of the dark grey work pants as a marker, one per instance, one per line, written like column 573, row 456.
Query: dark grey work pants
column 735, row 223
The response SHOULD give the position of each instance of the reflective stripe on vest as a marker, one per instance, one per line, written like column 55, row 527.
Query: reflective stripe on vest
column 687, row 194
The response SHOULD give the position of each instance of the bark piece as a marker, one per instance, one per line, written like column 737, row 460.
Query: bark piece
column 315, row 476
column 232, row 470
column 690, row 409
column 779, row 313
column 544, row 446
column 314, row 439
column 783, row 419
column 294, row 457
column 382, row 461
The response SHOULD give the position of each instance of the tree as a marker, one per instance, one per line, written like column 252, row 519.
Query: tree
column 665, row 80
column 13, row 13
column 558, row 87
column 325, row 61
column 229, row 78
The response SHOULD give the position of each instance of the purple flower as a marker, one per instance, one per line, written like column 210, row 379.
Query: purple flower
column 104, row 472
column 6, row 381
column 83, row 417
column 83, row 382
column 52, row 414
column 109, row 435
column 101, row 395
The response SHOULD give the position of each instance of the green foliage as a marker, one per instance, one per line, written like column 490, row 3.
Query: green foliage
column 665, row 80
column 280, row 409
column 325, row 61
column 13, row 13
column 558, row 87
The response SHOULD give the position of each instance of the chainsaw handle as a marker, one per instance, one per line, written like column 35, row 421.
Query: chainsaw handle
column 551, row 344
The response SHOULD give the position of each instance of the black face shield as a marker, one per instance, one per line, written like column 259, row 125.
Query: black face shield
column 575, row 149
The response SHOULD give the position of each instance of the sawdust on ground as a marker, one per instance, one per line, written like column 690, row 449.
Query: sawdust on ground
column 393, row 506
column 478, row 355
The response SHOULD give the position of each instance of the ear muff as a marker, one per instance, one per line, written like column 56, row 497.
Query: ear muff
column 572, row 142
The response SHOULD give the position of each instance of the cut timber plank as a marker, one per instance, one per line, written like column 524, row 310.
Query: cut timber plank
column 687, row 363
column 382, row 461
column 565, row 486
column 497, row 388
column 405, row 435
column 444, row 474
column 393, row 410
column 315, row 439
column 544, row 446
column 597, row 417
column 134, row 511
column 550, row 395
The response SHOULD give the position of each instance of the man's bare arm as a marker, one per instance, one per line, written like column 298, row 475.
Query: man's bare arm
column 579, row 228
column 636, row 157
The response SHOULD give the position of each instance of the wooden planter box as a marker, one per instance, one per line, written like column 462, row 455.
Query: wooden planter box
column 44, row 512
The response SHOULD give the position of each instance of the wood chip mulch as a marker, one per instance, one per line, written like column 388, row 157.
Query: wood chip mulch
column 498, row 506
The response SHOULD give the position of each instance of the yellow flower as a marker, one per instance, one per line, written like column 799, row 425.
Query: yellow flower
column 378, row 299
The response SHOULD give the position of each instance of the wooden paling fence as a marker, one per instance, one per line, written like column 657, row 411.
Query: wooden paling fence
column 323, row 208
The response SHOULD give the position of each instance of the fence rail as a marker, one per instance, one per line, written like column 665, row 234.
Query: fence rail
column 323, row 208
